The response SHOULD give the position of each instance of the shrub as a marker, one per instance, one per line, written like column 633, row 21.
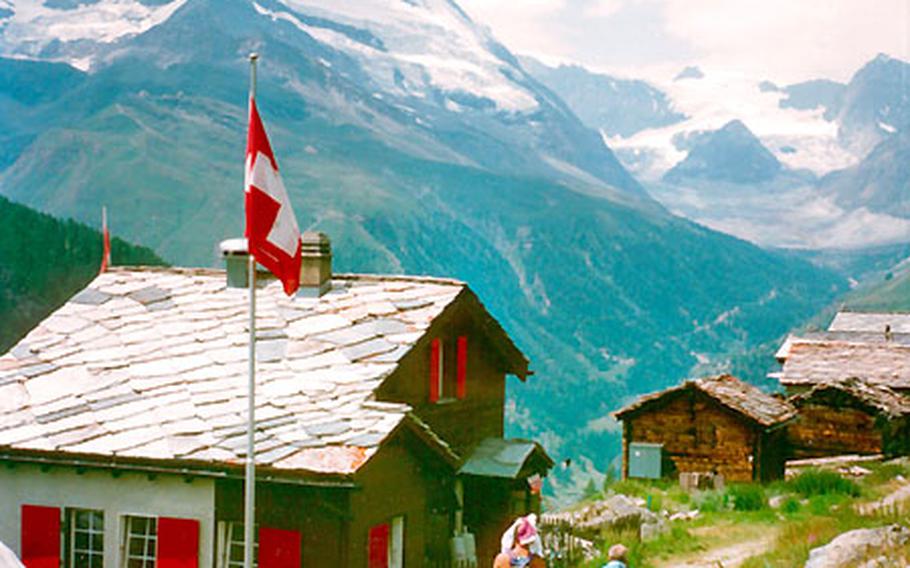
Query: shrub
column 710, row 501
column 790, row 505
column 823, row 482
column 747, row 497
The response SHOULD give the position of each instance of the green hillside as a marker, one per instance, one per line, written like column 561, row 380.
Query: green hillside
column 44, row 261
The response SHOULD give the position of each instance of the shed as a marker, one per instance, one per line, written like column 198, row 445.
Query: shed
column 849, row 416
column 711, row 425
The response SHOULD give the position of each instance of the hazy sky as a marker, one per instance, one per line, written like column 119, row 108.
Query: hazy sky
column 781, row 40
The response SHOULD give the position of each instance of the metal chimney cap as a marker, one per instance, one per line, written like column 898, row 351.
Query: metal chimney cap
column 234, row 247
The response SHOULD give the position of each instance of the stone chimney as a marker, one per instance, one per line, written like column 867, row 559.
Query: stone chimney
column 315, row 265
column 235, row 253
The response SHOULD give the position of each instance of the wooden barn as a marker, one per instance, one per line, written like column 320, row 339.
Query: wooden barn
column 122, row 422
column 715, row 425
column 849, row 416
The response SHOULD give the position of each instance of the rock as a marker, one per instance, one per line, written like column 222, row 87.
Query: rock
column 685, row 515
column 650, row 531
column 852, row 547
column 615, row 512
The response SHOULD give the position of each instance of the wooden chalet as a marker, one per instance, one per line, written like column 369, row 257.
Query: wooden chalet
column 379, row 405
column 715, row 425
column 849, row 416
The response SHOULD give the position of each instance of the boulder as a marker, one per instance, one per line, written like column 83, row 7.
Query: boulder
column 854, row 547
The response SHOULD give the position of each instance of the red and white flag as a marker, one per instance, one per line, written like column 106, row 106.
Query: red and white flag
column 271, row 228
column 106, row 242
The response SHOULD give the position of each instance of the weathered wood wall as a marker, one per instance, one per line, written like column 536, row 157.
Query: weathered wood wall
column 319, row 515
column 824, row 430
column 462, row 423
column 404, row 479
column 698, row 435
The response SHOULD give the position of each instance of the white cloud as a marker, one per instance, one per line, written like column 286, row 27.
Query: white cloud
column 791, row 40
column 783, row 40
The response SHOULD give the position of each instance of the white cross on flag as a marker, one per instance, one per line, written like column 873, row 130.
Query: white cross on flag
column 271, row 228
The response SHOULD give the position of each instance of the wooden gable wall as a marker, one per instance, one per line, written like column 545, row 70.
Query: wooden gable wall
column 463, row 423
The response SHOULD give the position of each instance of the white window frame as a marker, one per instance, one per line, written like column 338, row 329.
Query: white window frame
column 93, row 529
column 149, row 538
column 396, row 542
column 230, row 534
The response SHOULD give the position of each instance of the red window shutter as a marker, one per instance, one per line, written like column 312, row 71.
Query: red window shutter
column 178, row 543
column 40, row 536
column 461, row 385
column 379, row 546
column 435, row 346
column 279, row 548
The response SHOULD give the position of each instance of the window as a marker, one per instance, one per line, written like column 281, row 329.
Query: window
column 84, row 538
column 230, row 545
column 140, row 539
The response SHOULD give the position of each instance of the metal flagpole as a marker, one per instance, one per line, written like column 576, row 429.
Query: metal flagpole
column 249, row 511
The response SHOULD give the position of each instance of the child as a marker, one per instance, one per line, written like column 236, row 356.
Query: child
column 617, row 555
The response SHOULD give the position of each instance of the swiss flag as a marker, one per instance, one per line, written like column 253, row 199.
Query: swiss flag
column 271, row 228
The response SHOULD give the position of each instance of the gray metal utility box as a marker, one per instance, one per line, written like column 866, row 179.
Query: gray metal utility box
column 645, row 460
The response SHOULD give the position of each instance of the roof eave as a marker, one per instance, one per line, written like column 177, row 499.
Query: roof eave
column 188, row 468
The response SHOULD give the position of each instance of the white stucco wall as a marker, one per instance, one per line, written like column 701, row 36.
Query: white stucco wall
column 129, row 494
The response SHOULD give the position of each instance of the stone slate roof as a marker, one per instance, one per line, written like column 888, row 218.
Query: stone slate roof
column 152, row 364
column 496, row 457
column 842, row 336
column 727, row 390
column 871, row 322
column 878, row 397
column 886, row 363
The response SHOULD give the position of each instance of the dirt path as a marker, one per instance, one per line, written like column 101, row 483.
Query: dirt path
column 729, row 556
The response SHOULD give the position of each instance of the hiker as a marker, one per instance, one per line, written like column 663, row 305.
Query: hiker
column 525, row 550
column 617, row 556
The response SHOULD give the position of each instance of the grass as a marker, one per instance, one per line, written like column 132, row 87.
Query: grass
column 810, row 510
column 814, row 482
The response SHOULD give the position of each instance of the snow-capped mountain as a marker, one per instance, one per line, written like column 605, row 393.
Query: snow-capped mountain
column 800, row 138
column 75, row 31
column 808, row 165
column 415, row 72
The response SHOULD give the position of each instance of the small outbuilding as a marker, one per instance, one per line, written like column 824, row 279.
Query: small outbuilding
column 718, row 425
column 849, row 416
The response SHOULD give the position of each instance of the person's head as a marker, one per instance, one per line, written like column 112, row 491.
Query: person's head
column 618, row 552
column 526, row 533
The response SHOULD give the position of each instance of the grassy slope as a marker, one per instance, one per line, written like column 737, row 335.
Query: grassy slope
column 44, row 261
column 809, row 516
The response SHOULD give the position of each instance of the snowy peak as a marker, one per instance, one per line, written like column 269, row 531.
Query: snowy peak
column 732, row 154
column 75, row 31
column 421, row 48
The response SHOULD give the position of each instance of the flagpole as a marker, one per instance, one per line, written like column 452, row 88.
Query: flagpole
column 249, row 514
